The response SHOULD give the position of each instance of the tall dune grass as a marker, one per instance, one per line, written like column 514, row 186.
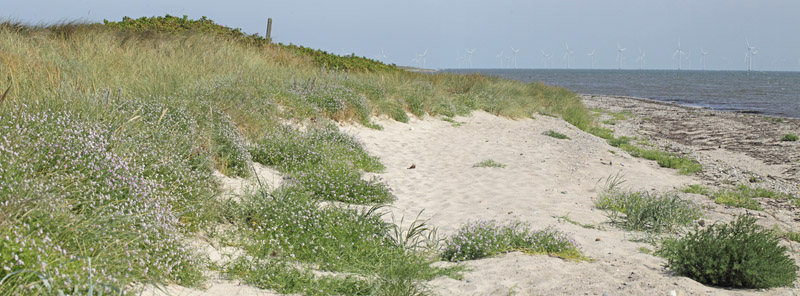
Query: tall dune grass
column 108, row 138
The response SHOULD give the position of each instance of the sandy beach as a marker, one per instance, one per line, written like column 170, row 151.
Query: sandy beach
column 551, row 182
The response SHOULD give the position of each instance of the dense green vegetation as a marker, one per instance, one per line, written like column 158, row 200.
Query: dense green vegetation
column 111, row 133
column 740, row 254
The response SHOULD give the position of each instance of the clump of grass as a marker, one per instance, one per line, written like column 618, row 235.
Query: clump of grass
column 696, row 189
column 645, row 250
column 489, row 163
column 645, row 211
column 453, row 122
column 740, row 254
column 481, row 239
column 789, row 137
column 555, row 134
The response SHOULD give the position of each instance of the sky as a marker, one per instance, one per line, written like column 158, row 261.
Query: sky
column 399, row 31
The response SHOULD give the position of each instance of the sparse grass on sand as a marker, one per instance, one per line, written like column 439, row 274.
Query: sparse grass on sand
column 684, row 165
column 555, row 134
column 111, row 133
column 741, row 196
column 489, row 163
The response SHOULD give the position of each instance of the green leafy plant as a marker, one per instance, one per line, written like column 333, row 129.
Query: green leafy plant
column 740, row 254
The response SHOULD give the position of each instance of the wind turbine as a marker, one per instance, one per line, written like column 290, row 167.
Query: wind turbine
column 500, row 56
column 515, row 51
column 459, row 58
column 469, row 56
column 567, row 54
column 381, row 57
column 545, row 58
column 591, row 54
column 704, row 53
column 640, row 59
column 679, row 53
column 619, row 55
column 423, row 55
column 748, row 57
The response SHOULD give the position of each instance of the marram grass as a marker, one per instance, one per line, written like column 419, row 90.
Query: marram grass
column 111, row 132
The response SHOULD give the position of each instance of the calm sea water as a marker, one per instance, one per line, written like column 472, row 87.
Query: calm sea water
column 769, row 93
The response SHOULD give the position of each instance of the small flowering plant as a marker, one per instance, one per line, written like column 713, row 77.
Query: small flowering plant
column 484, row 238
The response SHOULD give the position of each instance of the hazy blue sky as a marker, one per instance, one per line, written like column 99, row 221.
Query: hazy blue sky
column 404, row 29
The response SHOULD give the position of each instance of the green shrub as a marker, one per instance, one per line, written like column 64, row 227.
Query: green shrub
column 555, row 134
column 789, row 137
column 739, row 255
column 647, row 212
column 475, row 240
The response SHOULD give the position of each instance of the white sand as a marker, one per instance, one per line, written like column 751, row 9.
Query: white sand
column 545, row 178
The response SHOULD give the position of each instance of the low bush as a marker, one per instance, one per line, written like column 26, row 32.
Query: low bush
column 740, row 254
column 481, row 239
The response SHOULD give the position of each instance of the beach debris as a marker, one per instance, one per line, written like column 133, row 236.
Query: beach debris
column 413, row 166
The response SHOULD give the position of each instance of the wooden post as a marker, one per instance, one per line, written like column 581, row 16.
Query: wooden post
column 269, row 29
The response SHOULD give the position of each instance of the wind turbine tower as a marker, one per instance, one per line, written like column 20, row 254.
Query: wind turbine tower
column 423, row 55
column 500, row 57
column 748, row 56
column 591, row 54
column 515, row 51
column 469, row 56
column 640, row 59
column 619, row 55
column 545, row 58
column 679, row 53
column 704, row 53
column 568, row 55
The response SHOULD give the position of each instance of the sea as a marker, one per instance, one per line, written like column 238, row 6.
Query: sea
column 767, row 93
